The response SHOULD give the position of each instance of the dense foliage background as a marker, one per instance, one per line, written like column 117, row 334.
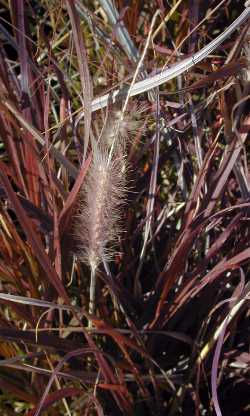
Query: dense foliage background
column 170, row 332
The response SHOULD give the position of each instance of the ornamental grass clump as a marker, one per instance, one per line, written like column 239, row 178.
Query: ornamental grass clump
column 168, row 328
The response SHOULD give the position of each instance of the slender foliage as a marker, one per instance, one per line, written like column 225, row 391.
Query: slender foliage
column 124, row 208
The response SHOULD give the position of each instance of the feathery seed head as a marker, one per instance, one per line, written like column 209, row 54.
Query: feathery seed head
column 102, row 196
column 103, row 192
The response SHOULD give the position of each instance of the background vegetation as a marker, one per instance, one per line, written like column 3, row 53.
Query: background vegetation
column 170, row 333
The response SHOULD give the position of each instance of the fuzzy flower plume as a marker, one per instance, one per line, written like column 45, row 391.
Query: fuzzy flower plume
column 104, row 189
column 102, row 195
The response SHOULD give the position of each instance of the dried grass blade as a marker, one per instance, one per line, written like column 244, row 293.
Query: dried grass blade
column 176, row 69
column 42, row 340
column 7, row 385
column 231, row 155
column 23, row 53
column 151, row 200
column 37, row 135
column 87, row 89
column 71, row 354
column 184, row 294
column 121, row 32
column 66, row 214
column 58, row 395
column 223, row 266
column 37, row 302
column 8, row 138
column 33, row 239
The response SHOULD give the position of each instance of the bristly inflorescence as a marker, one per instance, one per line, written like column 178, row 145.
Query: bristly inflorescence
column 102, row 196
column 98, row 225
column 103, row 192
